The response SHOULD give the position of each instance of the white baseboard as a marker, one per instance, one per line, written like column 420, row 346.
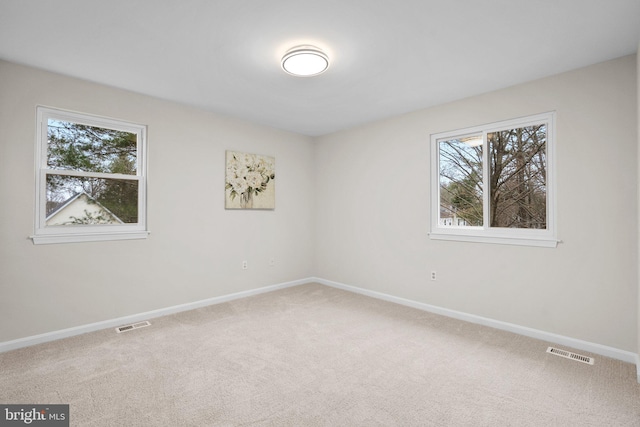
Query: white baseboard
column 64, row 333
column 614, row 353
column 602, row 350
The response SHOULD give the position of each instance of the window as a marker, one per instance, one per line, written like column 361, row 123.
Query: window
column 90, row 182
column 494, row 183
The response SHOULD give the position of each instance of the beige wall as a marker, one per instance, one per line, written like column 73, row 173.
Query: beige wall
column 364, row 223
column 373, row 211
column 195, row 249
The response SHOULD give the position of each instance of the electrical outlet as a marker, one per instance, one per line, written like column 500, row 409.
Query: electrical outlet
column 245, row 265
column 433, row 275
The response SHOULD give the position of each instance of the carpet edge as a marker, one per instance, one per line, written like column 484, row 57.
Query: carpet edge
column 112, row 323
column 602, row 350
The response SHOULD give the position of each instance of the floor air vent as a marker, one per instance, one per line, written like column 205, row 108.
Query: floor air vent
column 132, row 326
column 570, row 355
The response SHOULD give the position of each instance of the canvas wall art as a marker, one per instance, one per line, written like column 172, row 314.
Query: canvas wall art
column 250, row 181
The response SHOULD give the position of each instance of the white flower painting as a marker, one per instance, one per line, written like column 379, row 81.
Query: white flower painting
column 250, row 181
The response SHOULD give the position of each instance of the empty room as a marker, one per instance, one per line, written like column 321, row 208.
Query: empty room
column 338, row 213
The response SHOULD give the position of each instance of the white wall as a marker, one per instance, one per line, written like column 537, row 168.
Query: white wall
column 365, row 224
column 195, row 249
column 638, row 169
column 373, row 198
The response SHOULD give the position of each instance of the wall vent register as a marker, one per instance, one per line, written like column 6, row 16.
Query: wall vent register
column 570, row 355
column 132, row 326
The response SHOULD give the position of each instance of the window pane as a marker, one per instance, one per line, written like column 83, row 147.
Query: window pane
column 72, row 146
column 461, row 181
column 518, row 184
column 73, row 201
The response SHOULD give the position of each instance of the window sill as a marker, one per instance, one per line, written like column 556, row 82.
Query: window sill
column 45, row 239
column 544, row 242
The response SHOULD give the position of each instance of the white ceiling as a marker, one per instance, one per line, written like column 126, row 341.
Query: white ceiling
column 388, row 56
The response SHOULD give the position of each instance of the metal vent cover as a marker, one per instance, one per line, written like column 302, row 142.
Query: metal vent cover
column 132, row 326
column 569, row 355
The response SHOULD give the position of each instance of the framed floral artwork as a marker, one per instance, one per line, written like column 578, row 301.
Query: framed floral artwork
column 249, row 181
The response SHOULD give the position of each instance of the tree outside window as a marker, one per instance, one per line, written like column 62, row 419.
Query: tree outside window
column 91, row 178
column 495, row 178
column 77, row 147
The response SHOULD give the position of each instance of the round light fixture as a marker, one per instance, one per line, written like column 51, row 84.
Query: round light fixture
column 305, row 61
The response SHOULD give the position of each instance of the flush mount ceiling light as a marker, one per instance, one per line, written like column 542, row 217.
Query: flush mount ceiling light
column 305, row 61
column 473, row 141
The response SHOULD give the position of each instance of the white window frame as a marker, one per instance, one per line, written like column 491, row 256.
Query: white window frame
column 44, row 234
column 486, row 234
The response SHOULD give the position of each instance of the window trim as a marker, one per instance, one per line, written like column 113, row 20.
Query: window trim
column 87, row 233
column 486, row 234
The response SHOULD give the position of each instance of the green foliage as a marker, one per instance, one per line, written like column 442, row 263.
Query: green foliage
column 461, row 181
column 465, row 199
column 77, row 147
column 72, row 146
column 90, row 219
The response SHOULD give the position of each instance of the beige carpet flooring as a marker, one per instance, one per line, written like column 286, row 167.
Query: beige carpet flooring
column 317, row 356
